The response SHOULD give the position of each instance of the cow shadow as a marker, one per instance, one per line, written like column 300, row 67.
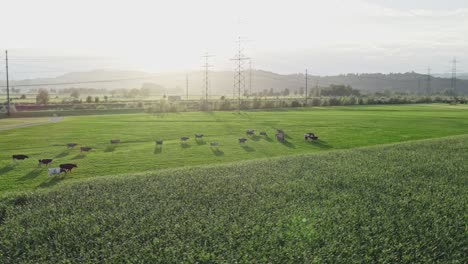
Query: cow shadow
column 110, row 148
column 287, row 144
column 321, row 144
column 31, row 175
column 6, row 169
column 62, row 154
column 255, row 138
column 51, row 181
column 79, row 156
column 184, row 145
column 217, row 152
column 267, row 138
column 201, row 142
column 158, row 149
column 248, row 148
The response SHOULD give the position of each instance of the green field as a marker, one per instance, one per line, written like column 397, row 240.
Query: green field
column 337, row 127
column 402, row 203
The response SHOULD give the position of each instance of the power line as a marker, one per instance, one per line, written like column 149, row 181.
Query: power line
column 306, row 79
column 83, row 82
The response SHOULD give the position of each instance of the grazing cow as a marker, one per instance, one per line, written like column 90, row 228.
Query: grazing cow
column 71, row 145
column 310, row 136
column 242, row 140
column 198, row 135
column 45, row 162
column 85, row 149
column 159, row 142
column 20, row 157
column 55, row 171
column 263, row 133
column 214, row 144
column 250, row 132
column 115, row 141
column 183, row 139
column 279, row 135
column 67, row 167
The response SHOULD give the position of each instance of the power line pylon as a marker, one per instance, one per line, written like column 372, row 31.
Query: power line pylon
column 454, row 76
column 239, row 78
column 429, row 79
column 7, row 83
column 186, row 86
column 306, row 88
column 250, row 77
column 207, row 67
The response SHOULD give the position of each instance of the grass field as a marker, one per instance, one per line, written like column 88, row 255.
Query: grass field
column 338, row 128
column 402, row 203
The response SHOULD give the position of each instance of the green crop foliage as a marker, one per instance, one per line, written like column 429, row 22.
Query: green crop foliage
column 400, row 203
column 337, row 127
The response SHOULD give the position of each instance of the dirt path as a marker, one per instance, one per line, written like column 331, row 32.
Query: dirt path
column 51, row 120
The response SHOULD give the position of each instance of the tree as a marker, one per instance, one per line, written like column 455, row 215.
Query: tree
column 89, row 99
column 42, row 97
column 106, row 98
column 23, row 96
column 75, row 94
column 96, row 100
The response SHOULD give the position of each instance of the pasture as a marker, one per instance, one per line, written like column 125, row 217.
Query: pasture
column 337, row 128
column 399, row 203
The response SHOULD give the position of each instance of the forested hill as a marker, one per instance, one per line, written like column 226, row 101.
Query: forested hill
column 222, row 82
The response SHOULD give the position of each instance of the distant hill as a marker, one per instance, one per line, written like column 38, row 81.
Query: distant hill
column 222, row 82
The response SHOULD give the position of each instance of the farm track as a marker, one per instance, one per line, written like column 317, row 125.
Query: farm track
column 51, row 120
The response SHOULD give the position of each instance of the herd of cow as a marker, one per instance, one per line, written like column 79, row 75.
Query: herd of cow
column 67, row 167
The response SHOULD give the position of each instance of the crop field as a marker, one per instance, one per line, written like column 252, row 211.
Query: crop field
column 400, row 203
column 337, row 128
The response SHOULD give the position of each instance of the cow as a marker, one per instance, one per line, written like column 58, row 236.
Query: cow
column 214, row 144
column 279, row 135
column 159, row 142
column 310, row 136
column 45, row 162
column 19, row 157
column 85, row 149
column 67, row 167
column 183, row 139
column 71, row 145
column 242, row 140
column 250, row 132
column 263, row 133
column 198, row 135
column 55, row 171
column 115, row 141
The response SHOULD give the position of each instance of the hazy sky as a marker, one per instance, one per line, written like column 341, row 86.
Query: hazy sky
column 328, row 37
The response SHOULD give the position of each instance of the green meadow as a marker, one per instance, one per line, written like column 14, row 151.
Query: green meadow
column 337, row 128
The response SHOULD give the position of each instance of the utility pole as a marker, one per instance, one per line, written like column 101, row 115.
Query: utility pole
column 428, row 88
column 239, row 79
column 7, row 83
column 306, row 93
column 186, row 85
column 207, row 72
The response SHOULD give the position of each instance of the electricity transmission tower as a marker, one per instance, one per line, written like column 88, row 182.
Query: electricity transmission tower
column 428, row 88
column 207, row 73
column 454, row 76
column 250, row 77
column 7, row 83
column 239, row 78
column 306, row 82
column 186, row 86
